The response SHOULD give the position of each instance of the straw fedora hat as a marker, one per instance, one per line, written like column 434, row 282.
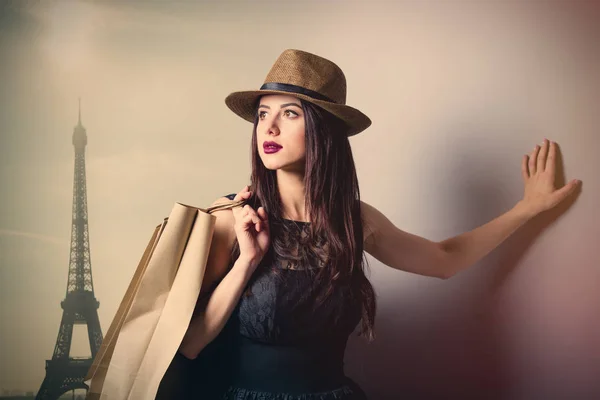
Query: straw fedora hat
column 307, row 77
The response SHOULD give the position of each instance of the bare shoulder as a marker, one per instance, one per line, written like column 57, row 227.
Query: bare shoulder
column 225, row 220
column 399, row 249
column 223, row 239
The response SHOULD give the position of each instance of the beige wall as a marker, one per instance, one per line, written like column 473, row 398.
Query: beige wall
column 457, row 91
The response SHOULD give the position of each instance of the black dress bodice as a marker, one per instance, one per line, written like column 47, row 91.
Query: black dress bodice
column 279, row 307
column 286, row 344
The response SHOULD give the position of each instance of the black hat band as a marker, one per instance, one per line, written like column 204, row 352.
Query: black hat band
column 285, row 87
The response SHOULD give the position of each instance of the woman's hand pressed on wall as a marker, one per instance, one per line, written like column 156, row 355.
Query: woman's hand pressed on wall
column 252, row 230
column 539, row 172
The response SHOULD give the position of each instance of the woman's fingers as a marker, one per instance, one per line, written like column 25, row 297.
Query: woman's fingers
column 246, row 215
column 542, row 155
column 251, row 213
column 249, row 217
column 533, row 160
column 244, row 194
column 262, row 213
column 241, row 194
column 550, row 161
column 258, row 218
column 252, row 221
column 264, row 220
column 247, row 220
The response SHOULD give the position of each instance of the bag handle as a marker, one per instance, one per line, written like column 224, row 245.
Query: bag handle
column 221, row 206
column 224, row 206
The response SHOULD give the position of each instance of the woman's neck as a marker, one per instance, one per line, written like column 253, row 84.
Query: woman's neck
column 292, row 191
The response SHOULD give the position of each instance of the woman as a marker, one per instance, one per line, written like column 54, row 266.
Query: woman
column 288, row 265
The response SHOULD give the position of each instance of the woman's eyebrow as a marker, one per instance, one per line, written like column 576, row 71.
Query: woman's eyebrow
column 283, row 105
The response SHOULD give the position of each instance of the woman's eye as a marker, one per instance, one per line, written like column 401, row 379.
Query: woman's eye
column 261, row 114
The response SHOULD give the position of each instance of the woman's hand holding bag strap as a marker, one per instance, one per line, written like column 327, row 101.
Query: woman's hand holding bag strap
column 252, row 230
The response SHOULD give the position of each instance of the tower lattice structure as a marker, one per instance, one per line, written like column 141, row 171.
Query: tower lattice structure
column 64, row 372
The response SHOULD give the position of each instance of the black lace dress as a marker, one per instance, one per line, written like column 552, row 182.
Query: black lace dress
column 281, row 346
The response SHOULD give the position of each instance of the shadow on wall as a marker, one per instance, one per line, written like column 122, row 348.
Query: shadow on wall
column 453, row 348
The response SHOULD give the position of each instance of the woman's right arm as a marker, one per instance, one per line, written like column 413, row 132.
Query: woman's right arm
column 207, row 324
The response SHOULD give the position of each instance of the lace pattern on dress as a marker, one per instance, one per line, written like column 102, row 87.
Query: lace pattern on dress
column 305, row 252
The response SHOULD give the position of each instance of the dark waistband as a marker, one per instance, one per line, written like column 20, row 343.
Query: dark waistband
column 277, row 368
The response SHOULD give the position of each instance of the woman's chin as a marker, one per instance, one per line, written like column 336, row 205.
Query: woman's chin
column 274, row 164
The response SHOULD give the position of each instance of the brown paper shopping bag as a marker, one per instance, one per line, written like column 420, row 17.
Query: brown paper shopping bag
column 97, row 372
column 157, row 307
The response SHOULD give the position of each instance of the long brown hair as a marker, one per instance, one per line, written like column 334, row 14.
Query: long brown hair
column 332, row 199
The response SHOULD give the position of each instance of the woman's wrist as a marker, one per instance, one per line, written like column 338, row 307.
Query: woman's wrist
column 246, row 263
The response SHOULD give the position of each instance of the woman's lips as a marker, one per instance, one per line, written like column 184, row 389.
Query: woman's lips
column 271, row 147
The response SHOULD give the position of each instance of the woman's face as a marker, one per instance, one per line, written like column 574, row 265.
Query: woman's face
column 281, row 120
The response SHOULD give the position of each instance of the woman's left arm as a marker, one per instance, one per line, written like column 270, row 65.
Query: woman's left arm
column 408, row 252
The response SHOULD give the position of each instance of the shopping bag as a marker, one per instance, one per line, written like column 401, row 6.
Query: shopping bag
column 157, row 308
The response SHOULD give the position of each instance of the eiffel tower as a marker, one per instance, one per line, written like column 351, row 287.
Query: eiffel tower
column 63, row 372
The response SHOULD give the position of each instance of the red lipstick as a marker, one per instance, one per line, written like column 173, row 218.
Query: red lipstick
column 271, row 147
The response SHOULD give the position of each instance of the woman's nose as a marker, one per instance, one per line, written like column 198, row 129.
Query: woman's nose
column 273, row 129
